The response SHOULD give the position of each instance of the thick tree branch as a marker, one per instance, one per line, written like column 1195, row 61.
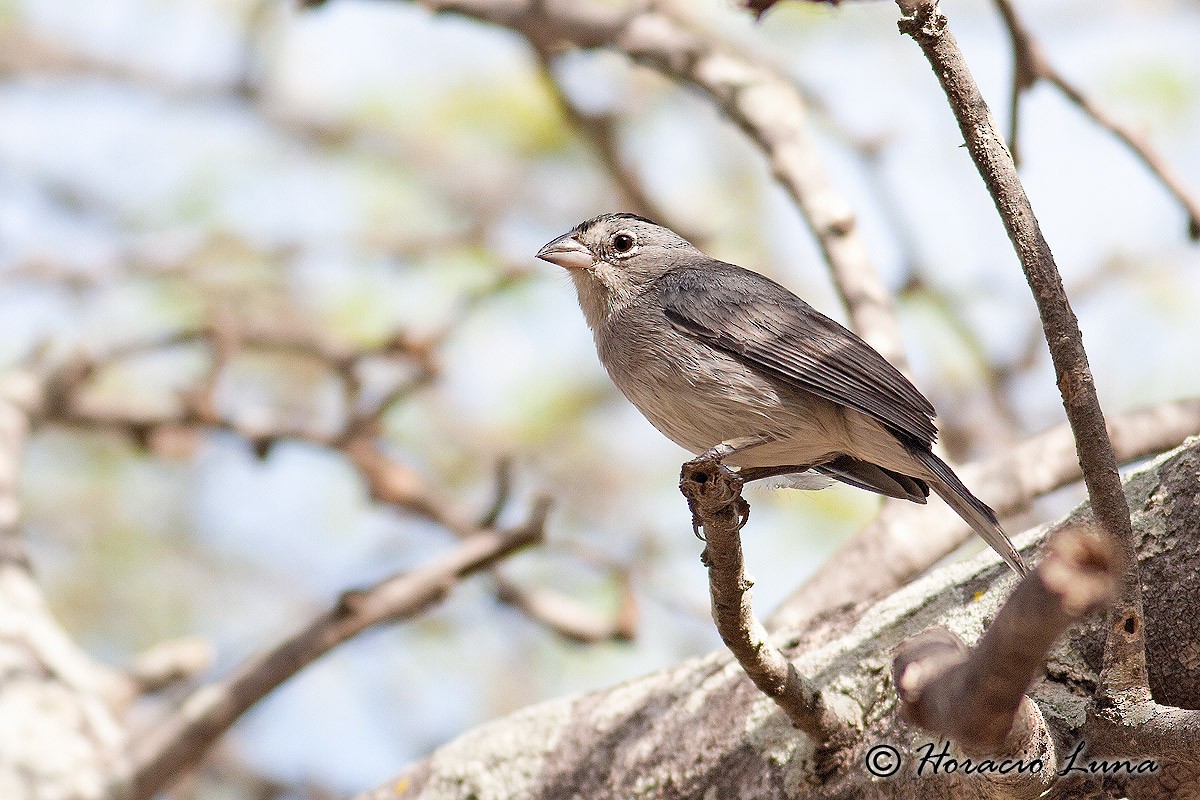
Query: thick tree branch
column 905, row 539
column 714, row 495
column 943, row 686
column 1145, row 730
column 977, row 696
column 178, row 743
column 1030, row 65
column 1125, row 657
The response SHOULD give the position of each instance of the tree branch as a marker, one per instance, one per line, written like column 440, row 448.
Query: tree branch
column 1030, row 65
column 714, row 494
column 566, row 616
column 1145, row 730
column 1125, row 656
column 763, row 103
column 179, row 742
column 905, row 539
column 700, row 729
column 168, row 664
column 59, row 731
column 388, row 480
column 977, row 696
column 602, row 133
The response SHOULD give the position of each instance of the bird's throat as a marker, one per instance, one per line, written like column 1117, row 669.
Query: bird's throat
column 601, row 293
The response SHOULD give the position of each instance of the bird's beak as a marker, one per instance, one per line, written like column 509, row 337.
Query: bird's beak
column 567, row 252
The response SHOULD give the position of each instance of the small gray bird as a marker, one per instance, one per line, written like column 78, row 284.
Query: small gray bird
column 731, row 365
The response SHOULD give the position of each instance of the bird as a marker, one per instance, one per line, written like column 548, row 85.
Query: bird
column 735, row 368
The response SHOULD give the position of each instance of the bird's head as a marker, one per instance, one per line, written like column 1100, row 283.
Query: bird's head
column 613, row 258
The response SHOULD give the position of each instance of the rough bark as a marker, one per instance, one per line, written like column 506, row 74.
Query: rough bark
column 702, row 730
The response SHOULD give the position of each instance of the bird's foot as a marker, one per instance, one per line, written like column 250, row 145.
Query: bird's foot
column 711, row 489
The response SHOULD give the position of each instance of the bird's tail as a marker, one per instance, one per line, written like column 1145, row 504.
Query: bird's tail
column 973, row 510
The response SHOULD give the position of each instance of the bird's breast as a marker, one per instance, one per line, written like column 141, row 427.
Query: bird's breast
column 696, row 395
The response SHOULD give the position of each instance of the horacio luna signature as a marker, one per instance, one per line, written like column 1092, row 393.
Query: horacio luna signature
column 1075, row 763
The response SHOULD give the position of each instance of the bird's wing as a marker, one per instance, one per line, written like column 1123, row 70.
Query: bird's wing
column 770, row 329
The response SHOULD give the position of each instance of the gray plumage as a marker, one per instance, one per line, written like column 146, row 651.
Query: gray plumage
column 713, row 354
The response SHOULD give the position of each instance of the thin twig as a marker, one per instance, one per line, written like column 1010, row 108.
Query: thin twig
column 179, row 743
column 169, row 663
column 501, row 494
column 1125, row 651
column 390, row 481
column 714, row 494
column 601, row 132
column 762, row 102
column 568, row 617
column 1030, row 65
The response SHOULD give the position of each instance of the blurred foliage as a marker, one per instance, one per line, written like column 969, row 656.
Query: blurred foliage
column 512, row 120
column 1163, row 91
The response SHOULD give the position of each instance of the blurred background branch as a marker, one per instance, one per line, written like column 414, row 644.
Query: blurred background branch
column 181, row 740
column 1030, row 65
column 764, row 104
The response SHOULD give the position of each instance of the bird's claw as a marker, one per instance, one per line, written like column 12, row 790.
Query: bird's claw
column 743, row 511
column 710, row 487
column 693, row 506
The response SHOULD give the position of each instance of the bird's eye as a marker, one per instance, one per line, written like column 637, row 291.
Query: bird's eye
column 622, row 242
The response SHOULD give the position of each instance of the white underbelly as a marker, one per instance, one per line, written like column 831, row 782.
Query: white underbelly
column 698, row 408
